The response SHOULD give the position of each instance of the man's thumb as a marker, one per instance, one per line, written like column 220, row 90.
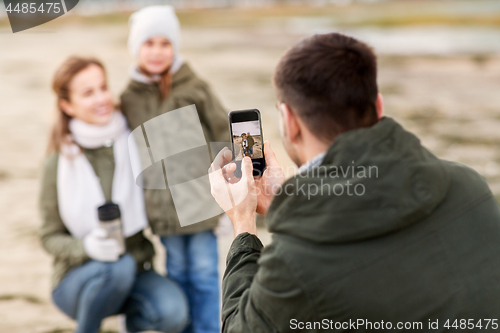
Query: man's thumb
column 246, row 168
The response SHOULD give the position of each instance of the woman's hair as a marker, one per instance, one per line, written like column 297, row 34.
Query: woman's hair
column 60, row 85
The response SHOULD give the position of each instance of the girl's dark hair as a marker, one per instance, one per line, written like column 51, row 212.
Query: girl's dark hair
column 330, row 82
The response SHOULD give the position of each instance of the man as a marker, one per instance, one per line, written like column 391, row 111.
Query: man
column 244, row 144
column 251, row 143
column 415, row 244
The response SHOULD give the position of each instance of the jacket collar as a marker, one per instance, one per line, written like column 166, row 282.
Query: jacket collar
column 404, row 185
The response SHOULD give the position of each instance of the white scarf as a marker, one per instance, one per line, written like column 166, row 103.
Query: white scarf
column 79, row 189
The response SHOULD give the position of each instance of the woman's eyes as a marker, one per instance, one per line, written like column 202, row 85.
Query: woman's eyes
column 90, row 92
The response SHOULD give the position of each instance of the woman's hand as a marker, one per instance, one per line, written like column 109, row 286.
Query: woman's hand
column 99, row 247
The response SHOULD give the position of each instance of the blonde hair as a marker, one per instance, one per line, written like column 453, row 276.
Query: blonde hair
column 60, row 85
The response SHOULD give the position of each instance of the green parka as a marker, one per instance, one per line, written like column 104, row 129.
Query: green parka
column 141, row 102
column 422, row 242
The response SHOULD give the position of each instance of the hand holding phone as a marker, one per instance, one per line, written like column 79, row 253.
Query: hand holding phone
column 267, row 186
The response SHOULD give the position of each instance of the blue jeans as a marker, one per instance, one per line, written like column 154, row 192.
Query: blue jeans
column 192, row 262
column 96, row 290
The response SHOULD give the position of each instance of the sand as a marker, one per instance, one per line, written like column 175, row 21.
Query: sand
column 451, row 102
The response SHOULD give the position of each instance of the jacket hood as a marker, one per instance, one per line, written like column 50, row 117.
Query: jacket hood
column 372, row 181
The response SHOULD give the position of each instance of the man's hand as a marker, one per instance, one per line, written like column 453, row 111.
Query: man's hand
column 237, row 197
column 270, row 182
column 267, row 185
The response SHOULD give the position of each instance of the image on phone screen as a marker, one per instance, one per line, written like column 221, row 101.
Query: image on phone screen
column 246, row 137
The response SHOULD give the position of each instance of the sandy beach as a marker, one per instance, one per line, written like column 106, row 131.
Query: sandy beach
column 449, row 99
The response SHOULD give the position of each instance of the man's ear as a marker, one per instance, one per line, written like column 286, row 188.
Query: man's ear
column 379, row 104
column 290, row 123
column 66, row 107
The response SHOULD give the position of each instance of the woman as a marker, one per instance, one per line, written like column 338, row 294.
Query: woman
column 88, row 164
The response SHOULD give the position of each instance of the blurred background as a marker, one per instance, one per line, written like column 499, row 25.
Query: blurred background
column 439, row 71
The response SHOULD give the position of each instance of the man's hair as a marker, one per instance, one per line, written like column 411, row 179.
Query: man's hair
column 330, row 82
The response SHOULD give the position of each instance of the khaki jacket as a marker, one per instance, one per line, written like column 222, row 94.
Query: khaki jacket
column 141, row 102
column 68, row 251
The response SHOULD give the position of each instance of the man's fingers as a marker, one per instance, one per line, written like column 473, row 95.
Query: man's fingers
column 219, row 160
column 223, row 157
column 228, row 171
column 217, row 181
column 228, row 156
column 269, row 155
column 231, row 167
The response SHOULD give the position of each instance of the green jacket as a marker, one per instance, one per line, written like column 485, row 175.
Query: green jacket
column 68, row 252
column 251, row 141
column 141, row 102
column 422, row 243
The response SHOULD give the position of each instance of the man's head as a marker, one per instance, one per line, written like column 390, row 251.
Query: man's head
column 244, row 135
column 248, row 134
column 326, row 85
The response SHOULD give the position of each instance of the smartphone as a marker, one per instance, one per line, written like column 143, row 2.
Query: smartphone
column 246, row 139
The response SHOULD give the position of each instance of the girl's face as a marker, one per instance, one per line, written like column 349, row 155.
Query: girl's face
column 156, row 55
column 89, row 97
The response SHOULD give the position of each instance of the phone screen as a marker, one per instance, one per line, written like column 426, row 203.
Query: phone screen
column 246, row 139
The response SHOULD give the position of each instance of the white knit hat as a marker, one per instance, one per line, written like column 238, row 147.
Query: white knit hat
column 155, row 21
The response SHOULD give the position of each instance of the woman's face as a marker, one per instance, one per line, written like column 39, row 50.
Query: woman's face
column 156, row 55
column 90, row 99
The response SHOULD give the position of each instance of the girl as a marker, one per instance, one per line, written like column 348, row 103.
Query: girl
column 89, row 164
column 162, row 82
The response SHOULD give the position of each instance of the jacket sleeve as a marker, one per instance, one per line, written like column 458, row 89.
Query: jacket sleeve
column 55, row 238
column 213, row 114
column 260, row 292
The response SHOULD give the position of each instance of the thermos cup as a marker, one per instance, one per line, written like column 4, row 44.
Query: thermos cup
column 110, row 220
